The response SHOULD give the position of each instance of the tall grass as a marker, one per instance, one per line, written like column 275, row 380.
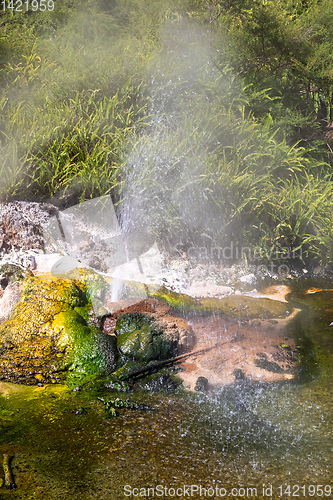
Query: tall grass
column 74, row 146
column 85, row 151
column 183, row 159
column 227, row 178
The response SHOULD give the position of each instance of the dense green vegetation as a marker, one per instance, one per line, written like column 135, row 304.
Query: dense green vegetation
column 207, row 121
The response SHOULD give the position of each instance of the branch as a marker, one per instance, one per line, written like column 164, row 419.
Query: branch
column 217, row 16
column 159, row 364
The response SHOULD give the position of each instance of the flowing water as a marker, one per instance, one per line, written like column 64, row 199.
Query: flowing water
column 241, row 440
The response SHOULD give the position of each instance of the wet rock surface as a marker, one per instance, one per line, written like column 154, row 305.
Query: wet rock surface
column 240, row 332
column 48, row 337
column 234, row 335
column 174, row 328
column 251, row 350
column 189, row 307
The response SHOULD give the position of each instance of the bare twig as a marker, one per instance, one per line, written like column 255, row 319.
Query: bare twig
column 159, row 364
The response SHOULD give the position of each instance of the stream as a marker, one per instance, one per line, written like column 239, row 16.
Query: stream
column 245, row 439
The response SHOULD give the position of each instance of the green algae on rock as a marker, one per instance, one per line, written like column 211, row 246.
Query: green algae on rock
column 48, row 338
column 96, row 286
column 316, row 299
column 179, row 301
column 139, row 338
column 243, row 307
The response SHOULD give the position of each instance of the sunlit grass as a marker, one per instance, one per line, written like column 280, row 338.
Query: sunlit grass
column 184, row 153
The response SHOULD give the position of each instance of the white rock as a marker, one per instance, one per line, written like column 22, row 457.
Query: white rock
column 55, row 263
column 197, row 290
column 46, row 261
column 8, row 301
column 249, row 279
column 66, row 264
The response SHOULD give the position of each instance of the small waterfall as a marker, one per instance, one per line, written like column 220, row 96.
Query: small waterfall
column 116, row 289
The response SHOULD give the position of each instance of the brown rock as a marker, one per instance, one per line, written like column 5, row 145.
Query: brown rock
column 251, row 350
column 175, row 328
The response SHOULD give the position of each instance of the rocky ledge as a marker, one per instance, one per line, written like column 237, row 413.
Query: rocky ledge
column 80, row 325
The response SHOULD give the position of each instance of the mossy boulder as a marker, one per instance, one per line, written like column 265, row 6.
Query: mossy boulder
column 49, row 338
column 239, row 306
column 243, row 307
column 140, row 339
column 97, row 287
column 178, row 301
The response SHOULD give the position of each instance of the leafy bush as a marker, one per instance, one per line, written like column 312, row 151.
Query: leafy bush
column 203, row 132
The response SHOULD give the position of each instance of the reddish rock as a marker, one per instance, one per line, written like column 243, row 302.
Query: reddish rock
column 175, row 328
column 253, row 350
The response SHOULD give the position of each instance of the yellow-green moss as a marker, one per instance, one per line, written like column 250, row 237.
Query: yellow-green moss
column 48, row 337
column 240, row 306
column 243, row 307
column 42, row 299
column 176, row 300
column 140, row 339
